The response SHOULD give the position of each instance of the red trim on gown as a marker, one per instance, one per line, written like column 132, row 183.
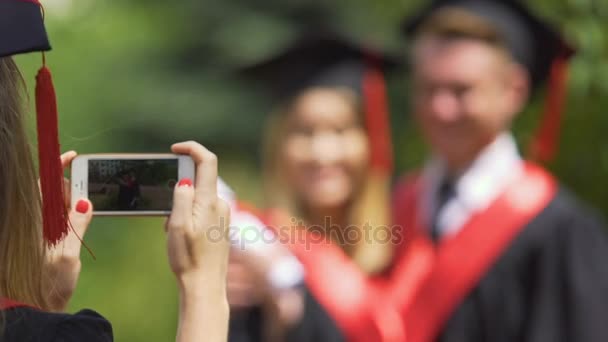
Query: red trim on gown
column 459, row 262
column 425, row 283
column 6, row 304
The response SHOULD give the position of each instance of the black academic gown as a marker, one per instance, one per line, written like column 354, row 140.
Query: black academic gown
column 24, row 324
column 246, row 325
column 315, row 325
column 549, row 285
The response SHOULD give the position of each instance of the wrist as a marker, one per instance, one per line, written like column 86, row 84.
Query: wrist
column 203, row 313
column 204, row 297
column 202, row 284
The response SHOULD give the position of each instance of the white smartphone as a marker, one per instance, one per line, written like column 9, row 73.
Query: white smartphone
column 129, row 184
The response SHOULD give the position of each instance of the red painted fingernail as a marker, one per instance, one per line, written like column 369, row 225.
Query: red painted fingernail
column 82, row 206
column 185, row 182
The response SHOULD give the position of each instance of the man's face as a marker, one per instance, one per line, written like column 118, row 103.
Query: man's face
column 465, row 93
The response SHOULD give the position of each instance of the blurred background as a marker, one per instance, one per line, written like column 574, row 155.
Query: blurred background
column 136, row 76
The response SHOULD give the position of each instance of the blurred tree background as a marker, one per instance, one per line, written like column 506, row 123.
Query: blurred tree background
column 136, row 76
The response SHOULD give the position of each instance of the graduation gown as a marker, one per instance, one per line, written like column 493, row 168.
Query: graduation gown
column 544, row 280
column 22, row 323
column 316, row 325
column 343, row 302
column 529, row 268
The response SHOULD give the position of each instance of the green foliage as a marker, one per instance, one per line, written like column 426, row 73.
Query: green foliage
column 135, row 76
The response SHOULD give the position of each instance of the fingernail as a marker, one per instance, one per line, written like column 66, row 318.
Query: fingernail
column 185, row 182
column 82, row 206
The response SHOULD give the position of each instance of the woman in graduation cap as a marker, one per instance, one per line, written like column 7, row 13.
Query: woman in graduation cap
column 40, row 251
column 328, row 163
column 505, row 253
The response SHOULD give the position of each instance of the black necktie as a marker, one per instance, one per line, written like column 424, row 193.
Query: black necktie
column 445, row 193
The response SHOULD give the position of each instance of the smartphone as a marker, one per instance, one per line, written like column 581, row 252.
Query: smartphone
column 129, row 184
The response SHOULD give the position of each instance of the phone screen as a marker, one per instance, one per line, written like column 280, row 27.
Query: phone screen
column 132, row 184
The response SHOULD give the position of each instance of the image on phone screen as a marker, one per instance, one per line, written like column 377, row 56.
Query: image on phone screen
column 132, row 185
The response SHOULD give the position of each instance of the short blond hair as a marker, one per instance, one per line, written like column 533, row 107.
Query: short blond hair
column 455, row 23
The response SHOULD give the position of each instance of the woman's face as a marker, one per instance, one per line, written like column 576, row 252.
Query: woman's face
column 326, row 150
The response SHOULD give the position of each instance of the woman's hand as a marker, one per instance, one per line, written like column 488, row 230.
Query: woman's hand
column 198, row 240
column 246, row 286
column 198, row 245
column 63, row 260
column 249, row 285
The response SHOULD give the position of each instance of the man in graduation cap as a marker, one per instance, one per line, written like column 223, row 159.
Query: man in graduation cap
column 503, row 253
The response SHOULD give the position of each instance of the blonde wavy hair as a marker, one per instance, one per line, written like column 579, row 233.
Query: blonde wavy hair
column 22, row 252
column 370, row 203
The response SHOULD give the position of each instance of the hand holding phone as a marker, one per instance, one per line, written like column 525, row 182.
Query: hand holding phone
column 198, row 260
column 129, row 184
column 62, row 261
column 198, row 246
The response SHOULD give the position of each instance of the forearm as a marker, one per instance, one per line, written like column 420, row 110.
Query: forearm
column 203, row 311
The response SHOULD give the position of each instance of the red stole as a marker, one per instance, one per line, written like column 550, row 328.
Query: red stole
column 443, row 275
column 425, row 283
column 6, row 304
column 360, row 305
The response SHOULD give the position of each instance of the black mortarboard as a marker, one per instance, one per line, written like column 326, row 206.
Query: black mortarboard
column 532, row 42
column 326, row 59
column 317, row 59
column 22, row 30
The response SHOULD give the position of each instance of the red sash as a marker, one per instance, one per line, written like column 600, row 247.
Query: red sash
column 360, row 305
column 443, row 275
column 6, row 304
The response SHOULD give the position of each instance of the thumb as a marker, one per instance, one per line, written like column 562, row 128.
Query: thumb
column 80, row 217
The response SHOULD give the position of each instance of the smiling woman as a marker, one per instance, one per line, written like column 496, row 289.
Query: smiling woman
column 328, row 162
column 328, row 153
column 325, row 152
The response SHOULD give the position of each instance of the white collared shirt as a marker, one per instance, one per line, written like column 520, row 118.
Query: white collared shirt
column 496, row 167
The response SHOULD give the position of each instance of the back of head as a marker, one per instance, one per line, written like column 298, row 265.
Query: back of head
column 21, row 244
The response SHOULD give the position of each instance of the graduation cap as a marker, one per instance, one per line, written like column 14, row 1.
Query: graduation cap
column 327, row 59
column 21, row 31
column 532, row 43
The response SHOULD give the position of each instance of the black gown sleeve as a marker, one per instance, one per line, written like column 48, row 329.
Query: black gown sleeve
column 570, row 301
column 316, row 325
column 246, row 325
column 550, row 284
column 30, row 325
column 86, row 325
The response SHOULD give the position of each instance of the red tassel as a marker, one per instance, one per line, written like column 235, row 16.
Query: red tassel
column 545, row 143
column 377, row 119
column 54, row 212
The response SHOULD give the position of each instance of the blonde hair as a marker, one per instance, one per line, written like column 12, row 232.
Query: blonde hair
column 456, row 23
column 22, row 252
column 370, row 204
